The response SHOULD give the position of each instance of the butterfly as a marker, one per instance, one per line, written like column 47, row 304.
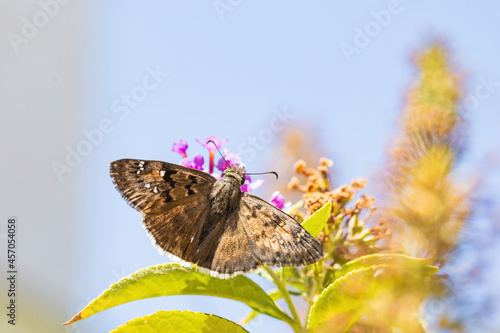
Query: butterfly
column 209, row 222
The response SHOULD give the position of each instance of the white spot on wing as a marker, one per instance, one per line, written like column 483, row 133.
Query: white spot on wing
column 155, row 190
column 162, row 173
column 148, row 185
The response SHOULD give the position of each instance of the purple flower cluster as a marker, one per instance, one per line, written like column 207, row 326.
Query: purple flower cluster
column 197, row 162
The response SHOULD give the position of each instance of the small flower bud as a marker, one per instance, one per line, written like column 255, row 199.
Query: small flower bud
column 325, row 162
column 299, row 166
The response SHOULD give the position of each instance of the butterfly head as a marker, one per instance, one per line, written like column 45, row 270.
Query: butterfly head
column 235, row 171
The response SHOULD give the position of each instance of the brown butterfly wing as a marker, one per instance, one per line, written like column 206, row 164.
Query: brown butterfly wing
column 226, row 249
column 275, row 238
column 172, row 198
column 153, row 187
column 178, row 230
column 255, row 234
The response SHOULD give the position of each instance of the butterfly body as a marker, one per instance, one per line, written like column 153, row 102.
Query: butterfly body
column 209, row 222
column 225, row 194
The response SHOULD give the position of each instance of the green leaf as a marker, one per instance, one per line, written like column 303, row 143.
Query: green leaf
column 412, row 264
column 174, row 279
column 315, row 223
column 180, row 321
column 384, row 283
column 275, row 295
column 341, row 304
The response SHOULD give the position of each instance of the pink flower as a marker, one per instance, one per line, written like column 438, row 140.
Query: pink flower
column 195, row 163
column 180, row 147
column 198, row 161
column 230, row 158
column 278, row 200
column 212, row 148
column 249, row 186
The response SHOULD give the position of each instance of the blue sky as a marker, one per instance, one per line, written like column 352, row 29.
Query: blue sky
column 228, row 73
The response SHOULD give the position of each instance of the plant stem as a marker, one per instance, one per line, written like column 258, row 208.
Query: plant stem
column 282, row 287
column 317, row 285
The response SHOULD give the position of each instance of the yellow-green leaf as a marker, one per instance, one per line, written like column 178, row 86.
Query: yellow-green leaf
column 412, row 264
column 275, row 295
column 342, row 303
column 174, row 279
column 180, row 321
column 315, row 223
column 392, row 286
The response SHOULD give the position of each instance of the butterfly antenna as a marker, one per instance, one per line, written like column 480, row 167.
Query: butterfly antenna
column 264, row 173
column 219, row 152
column 256, row 173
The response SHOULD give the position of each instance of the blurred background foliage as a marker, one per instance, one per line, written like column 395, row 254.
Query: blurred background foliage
column 425, row 205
